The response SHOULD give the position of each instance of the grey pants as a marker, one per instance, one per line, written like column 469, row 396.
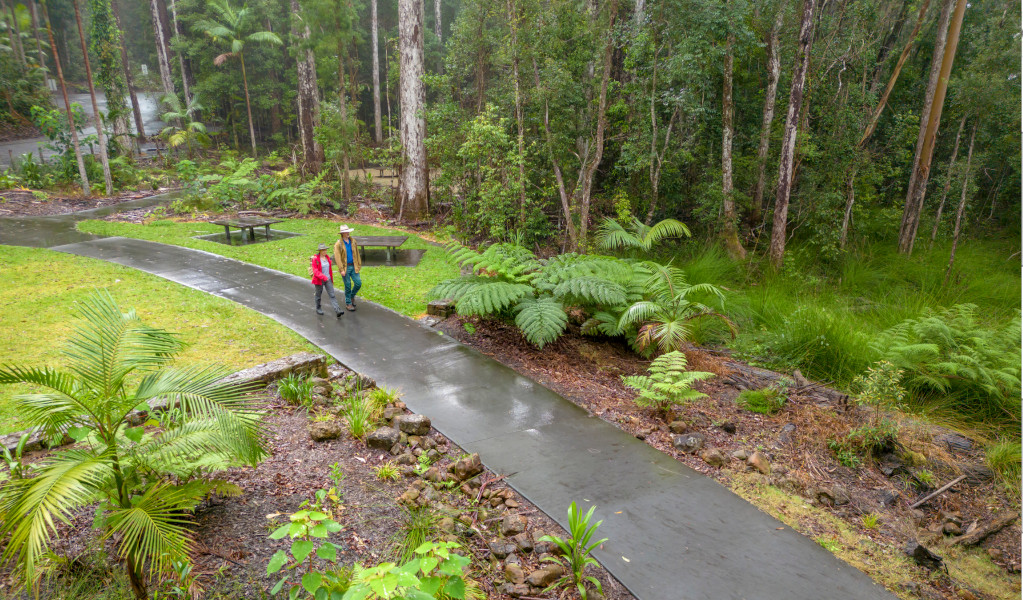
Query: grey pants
column 330, row 292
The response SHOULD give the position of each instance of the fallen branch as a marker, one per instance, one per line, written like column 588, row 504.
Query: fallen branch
column 978, row 536
column 937, row 492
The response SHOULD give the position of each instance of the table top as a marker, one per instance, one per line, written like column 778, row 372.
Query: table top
column 246, row 221
column 381, row 240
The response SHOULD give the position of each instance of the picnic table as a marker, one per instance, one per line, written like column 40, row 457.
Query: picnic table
column 246, row 224
column 389, row 242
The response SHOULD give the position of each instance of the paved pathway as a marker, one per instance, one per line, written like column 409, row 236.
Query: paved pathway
column 674, row 533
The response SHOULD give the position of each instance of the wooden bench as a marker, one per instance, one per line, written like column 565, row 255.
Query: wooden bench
column 246, row 224
column 389, row 242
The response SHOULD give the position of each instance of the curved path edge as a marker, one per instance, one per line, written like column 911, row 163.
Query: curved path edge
column 673, row 532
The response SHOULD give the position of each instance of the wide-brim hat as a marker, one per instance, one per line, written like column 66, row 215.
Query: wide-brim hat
column 322, row 247
column 344, row 229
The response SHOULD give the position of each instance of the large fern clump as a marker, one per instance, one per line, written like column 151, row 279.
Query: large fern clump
column 949, row 354
column 667, row 383
column 508, row 280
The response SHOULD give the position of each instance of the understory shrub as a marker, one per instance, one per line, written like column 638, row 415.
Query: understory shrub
column 296, row 389
column 667, row 384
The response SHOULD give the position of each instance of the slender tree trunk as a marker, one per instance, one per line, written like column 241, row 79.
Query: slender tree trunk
column 770, row 98
column 731, row 234
column 135, row 109
column 917, row 182
column 387, row 90
column 876, row 116
column 994, row 194
column 186, row 72
column 308, row 99
column 161, row 48
column 962, row 204
column 850, row 198
column 96, row 114
column 563, row 193
column 412, row 192
column 590, row 169
column 15, row 36
column 40, row 57
column 343, row 108
column 788, row 144
column 513, row 21
column 437, row 29
column 948, row 181
column 374, row 40
column 67, row 106
column 248, row 105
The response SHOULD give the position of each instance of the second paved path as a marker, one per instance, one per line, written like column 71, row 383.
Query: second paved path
column 673, row 533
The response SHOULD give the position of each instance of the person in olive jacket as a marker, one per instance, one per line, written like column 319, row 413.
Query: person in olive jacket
column 323, row 277
column 346, row 255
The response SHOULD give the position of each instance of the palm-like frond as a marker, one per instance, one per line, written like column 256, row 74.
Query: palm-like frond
column 154, row 526
column 64, row 407
column 611, row 235
column 491, row 298
column 662, row 230
column 264, row 37
column 219, row 32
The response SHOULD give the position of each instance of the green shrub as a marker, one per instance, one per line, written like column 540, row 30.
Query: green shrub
column 575, row 551
column 358, row 412
column 667, row 383
column 418, row 526
column 296, row 389
column 766, row 401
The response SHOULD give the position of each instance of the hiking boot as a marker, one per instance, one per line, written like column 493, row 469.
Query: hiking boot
column 319, row 311
column 350, row 307
column 340, row 313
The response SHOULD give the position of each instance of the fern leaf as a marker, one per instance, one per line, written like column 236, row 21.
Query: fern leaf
column 542, row 320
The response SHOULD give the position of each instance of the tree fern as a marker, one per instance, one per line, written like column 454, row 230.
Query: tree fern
column 667, row 383
column 542, row 320
column 591, row 290
column 492, row 298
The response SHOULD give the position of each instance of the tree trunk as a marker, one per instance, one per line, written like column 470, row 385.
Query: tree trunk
column 182, row 61
column 513, row 23
column 590, row 169
column 135, row 109
column 886, row 46
column 948, row 181
column 343, row 108
column 412, row 193
column 248, row 105
column 67, row 106
column 308, row 98
column 374, row 27
column 563, row 193
column 962, row 204
column 96, row 114
column 770, row 98
column 35, row 32
column 788, row 144
column 876, row 116
column 15, row 36
column 850, row 198
column 437, row 29
column 731, row 234
column 918, row 181
column 161, row 48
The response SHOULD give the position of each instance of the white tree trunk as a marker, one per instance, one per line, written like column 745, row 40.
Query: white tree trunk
column 181, row 58
column 788, row 144
column 731, row 234
column 436, row 21
column 161, row 48
column 948, row 180
column 97, row 116
column 770, row 98
column 412, row 190
column 86, row 191
column 378, row 129
column 962, row 204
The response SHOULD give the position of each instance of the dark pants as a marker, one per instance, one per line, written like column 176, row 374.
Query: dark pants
column 353, row 282
column 330, row 292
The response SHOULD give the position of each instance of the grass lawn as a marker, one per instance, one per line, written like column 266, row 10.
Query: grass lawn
column 39, row 295
column 400, row 288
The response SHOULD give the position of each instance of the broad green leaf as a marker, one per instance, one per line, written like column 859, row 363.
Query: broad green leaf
column 278, row 586
column 431, row 585
column 317, row 516
column 276, row 562
column 311, row 581
column 300, row 549
column 428, row 564
column 79, row 433
column 455, row 588
column 327, row 551
column 332, row 526
column 280, row 532
column 319, row 530
column 134, row 434
column 294, row 592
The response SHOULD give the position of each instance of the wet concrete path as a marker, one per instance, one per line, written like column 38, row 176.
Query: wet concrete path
column 673, row 533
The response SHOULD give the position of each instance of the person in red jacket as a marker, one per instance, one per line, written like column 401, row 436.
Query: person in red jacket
column 323, row 277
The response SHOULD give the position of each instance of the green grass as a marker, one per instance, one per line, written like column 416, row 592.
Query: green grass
column 39, row 295
column 766, row 401
column 402, row 289
column 1003, row 457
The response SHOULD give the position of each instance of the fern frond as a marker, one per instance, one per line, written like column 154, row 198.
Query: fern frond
column 492, row 298
column 542, row 320
column 590, row 290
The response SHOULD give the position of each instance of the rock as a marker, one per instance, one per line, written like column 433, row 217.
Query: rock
column 889, row 497
column 322, row 386
column 396, row 449
column 433, row 455
column 383, row 438
column 523, row 542
column 496, row 501
column 410, row 496
column 759, row 461
column 714, row 457
column 919, row 517
column 319, row 400
column 951, row 529
column 514, row 573
column 678, row 427
column 835, row 495
column 429, row 443
column 791, row 483
column 391, row 412
column 799, row 379
column 399, row 404
column 740, row 454
column 405, row 458
column 952, row 517
column 516, row 590
column 511, row 503
column 441, row 308
column 996, row 554
column 414, row 424
column 976, row 473
column 954, row 442
column 922, row 591
column 501, row 549
column 728, row 427
column 780, row 470
column 447, row 525
column 303, row 362
column 466, row 467
column 321, row 431
column 433, row 475
column 689, row 442
column 542, row 578
column 513, row 525
column 414, row 440
column 923, row 557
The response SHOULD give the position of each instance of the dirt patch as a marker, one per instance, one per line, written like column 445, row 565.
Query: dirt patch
column 22, row 203
column 872, row 511
column 23, row 130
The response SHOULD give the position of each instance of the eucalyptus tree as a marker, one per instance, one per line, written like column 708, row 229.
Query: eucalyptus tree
column 105, row 37
column 97, row 116
column 413, row 192
column 232, row 26
column 375, row 42
column 308, row 94
column 162, row 46
column 86, row 190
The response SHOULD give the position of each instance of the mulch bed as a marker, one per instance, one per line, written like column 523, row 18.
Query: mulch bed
column 21, row 203
column 587, row 371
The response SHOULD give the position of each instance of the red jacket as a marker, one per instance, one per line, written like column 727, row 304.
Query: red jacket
column 318, row 276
